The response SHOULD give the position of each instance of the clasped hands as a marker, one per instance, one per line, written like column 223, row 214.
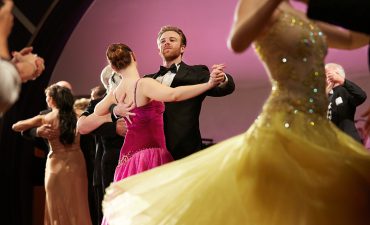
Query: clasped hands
column 217, row 75
column 29, row 65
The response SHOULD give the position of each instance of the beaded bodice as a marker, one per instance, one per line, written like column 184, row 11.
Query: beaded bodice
column 293, row 52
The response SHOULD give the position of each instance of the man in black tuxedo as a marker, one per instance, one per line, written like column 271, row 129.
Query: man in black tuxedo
column 109, row 138
column 181, row 119
column 344, row 97
column 108, row 144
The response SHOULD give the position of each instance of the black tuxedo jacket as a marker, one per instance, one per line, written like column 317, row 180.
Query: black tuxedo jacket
column 181, row 119
column 108, row 145
column 344, row 101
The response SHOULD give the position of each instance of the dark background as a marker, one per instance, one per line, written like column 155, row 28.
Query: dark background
column 47, row 27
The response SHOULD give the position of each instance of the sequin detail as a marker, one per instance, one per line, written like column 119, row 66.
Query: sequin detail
column 296, row 69
column 128, row 155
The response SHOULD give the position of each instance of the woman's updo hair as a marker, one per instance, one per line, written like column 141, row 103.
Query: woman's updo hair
column 119, row 55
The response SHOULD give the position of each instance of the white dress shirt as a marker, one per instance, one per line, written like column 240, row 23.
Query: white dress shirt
column 167, row 78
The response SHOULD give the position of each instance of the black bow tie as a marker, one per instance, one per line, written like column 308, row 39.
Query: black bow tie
column 163, row 70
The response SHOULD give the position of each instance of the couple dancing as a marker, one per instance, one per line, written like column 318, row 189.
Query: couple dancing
column 145, row 146
column 183, row 89
column 292, row 166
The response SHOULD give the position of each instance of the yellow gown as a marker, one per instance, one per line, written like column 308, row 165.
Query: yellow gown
column 291, row 167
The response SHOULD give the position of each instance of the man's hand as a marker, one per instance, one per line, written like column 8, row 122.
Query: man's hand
column 45, row 131
column 24, row 51
column 39, row 62
column 121, row 128
column 334, row 77
column 217, row 75
column 123, row 109
column 29, row 65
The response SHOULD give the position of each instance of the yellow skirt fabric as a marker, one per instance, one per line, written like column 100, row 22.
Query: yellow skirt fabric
column 303, row 172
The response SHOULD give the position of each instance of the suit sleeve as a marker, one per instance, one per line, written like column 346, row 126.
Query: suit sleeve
column 357, row 95
column 203, row 73
column 90, row 108
column 30, row 134
column 37, row 141
column 223, row 90
column 106, row 130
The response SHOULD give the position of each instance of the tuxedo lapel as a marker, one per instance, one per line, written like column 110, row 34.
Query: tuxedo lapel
column 155, row 75
column 180, row 75
column 334, row 97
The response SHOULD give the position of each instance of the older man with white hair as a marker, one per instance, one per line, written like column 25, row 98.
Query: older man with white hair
column 344, row 97
column 109, row 78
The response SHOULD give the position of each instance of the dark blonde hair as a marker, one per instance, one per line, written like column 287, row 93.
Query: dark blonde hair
column 98, row 92
column 175, row 29
column 119, row 55
column 81, row 104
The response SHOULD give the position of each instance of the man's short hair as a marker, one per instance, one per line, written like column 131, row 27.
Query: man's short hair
column 109, row 78
column 98, row 92
column 114, row 81
column 105, row 75
column 175, row 29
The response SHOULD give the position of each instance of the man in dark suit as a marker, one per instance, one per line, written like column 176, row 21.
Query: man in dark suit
column 109, row 138
column 181, row 119
column 344, row 97
column 107, row 148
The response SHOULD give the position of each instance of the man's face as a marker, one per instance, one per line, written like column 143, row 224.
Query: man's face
column 169, row 45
